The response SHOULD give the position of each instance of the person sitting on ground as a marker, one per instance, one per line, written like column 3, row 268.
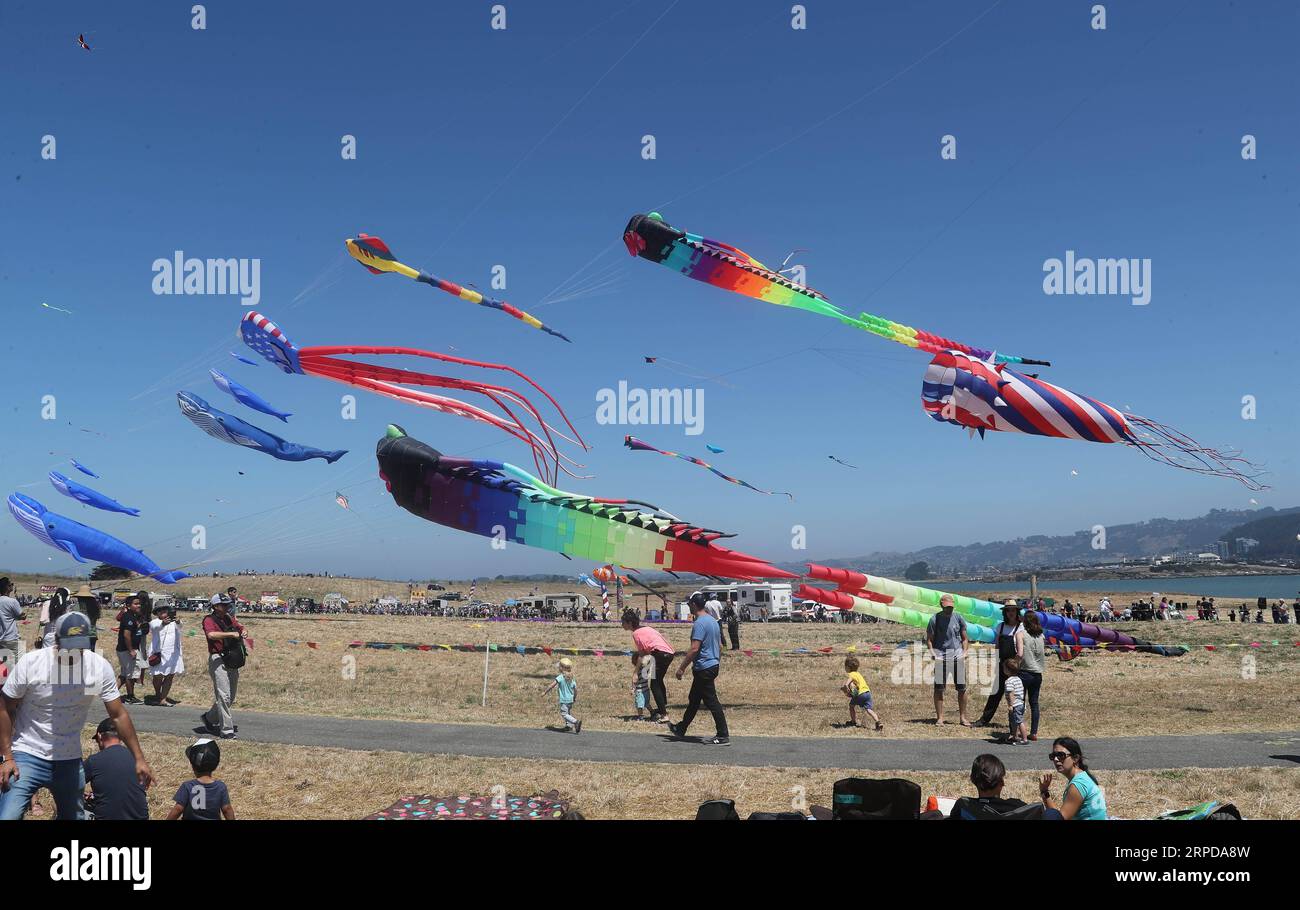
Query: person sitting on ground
column 115, row 790
column 204, row 798
column 859, row 693
column 1083, row 799
column 1015, row 689
column 988, row 775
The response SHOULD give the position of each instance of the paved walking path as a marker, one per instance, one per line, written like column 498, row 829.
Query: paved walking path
column 864, row 751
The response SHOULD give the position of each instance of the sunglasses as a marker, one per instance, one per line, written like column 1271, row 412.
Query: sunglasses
column 1058, row 756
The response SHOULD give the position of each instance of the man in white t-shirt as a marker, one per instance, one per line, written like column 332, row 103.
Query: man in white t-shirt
column 46, row 698
column 714, row 607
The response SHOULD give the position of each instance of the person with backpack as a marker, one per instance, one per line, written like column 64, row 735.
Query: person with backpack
column 226, row 655
column 1009, row 636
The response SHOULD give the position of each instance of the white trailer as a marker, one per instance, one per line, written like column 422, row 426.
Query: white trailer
column 763, row 600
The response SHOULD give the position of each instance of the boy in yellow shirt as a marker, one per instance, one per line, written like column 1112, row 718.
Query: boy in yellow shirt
column 859, row 693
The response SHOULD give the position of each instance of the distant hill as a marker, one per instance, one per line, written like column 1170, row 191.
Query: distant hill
column 1276, row 535
column 1156, row 537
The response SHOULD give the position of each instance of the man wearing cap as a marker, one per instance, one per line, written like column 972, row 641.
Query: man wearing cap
column 946, row 637
column 1009, row 635
column 110, row 774
column 223, row 632
column 705, row 657
column 11, row 613
column 46, row 700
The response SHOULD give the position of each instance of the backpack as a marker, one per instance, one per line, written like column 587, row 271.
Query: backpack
column 233, row 653
column 860, row 798
column 717, row 810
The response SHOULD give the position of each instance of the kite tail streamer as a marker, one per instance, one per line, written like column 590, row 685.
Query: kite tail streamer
column 447, row 358
column 1169, row 446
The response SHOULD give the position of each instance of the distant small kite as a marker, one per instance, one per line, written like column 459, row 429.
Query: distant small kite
column 251, row 363
column 342, row 500
column 638, row 445
column 716, row 450
column 59, row 308
column 83, row 469
column 845, row 463
column 81, row 40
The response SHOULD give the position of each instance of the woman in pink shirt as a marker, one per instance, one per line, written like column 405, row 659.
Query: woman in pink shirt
column 646, row 640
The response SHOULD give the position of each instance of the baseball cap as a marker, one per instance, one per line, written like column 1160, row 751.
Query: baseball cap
column 106, row 726
column 75, row 631
column 946, row 600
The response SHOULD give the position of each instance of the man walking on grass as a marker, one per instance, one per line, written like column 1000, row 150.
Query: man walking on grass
column 705, row 659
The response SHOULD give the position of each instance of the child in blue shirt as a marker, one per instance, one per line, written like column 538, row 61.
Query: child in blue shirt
column 567, row 687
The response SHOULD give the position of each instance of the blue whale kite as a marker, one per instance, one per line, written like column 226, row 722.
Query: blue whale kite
column 82, row 468
column 229, row 428
column 83, row 543
column 247, row 396
column 87, row 496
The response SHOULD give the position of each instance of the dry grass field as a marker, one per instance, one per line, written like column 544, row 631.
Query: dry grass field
column 295, row 782
column 1234, row 688
column 1098, row 694
column 1231, row 689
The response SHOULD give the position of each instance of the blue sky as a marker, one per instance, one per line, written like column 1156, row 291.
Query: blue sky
column 522, row 148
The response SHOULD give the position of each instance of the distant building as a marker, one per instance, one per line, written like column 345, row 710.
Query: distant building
column 1224, row 549
column 1207, row 557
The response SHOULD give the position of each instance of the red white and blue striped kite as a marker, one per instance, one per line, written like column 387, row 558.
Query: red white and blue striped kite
column 979, row 395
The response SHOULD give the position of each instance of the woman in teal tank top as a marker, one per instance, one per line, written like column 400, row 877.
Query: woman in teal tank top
column 1083, row 798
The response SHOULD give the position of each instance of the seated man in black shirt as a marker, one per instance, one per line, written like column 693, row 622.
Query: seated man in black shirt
column 987, row 773
column 111, row 776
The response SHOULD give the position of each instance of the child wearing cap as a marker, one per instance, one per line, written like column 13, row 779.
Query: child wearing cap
column 1014, row 686
column 567, row 687
column 204, row 798
column 859, row 693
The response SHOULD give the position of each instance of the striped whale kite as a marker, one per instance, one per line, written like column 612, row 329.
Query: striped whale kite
column 982, row 396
